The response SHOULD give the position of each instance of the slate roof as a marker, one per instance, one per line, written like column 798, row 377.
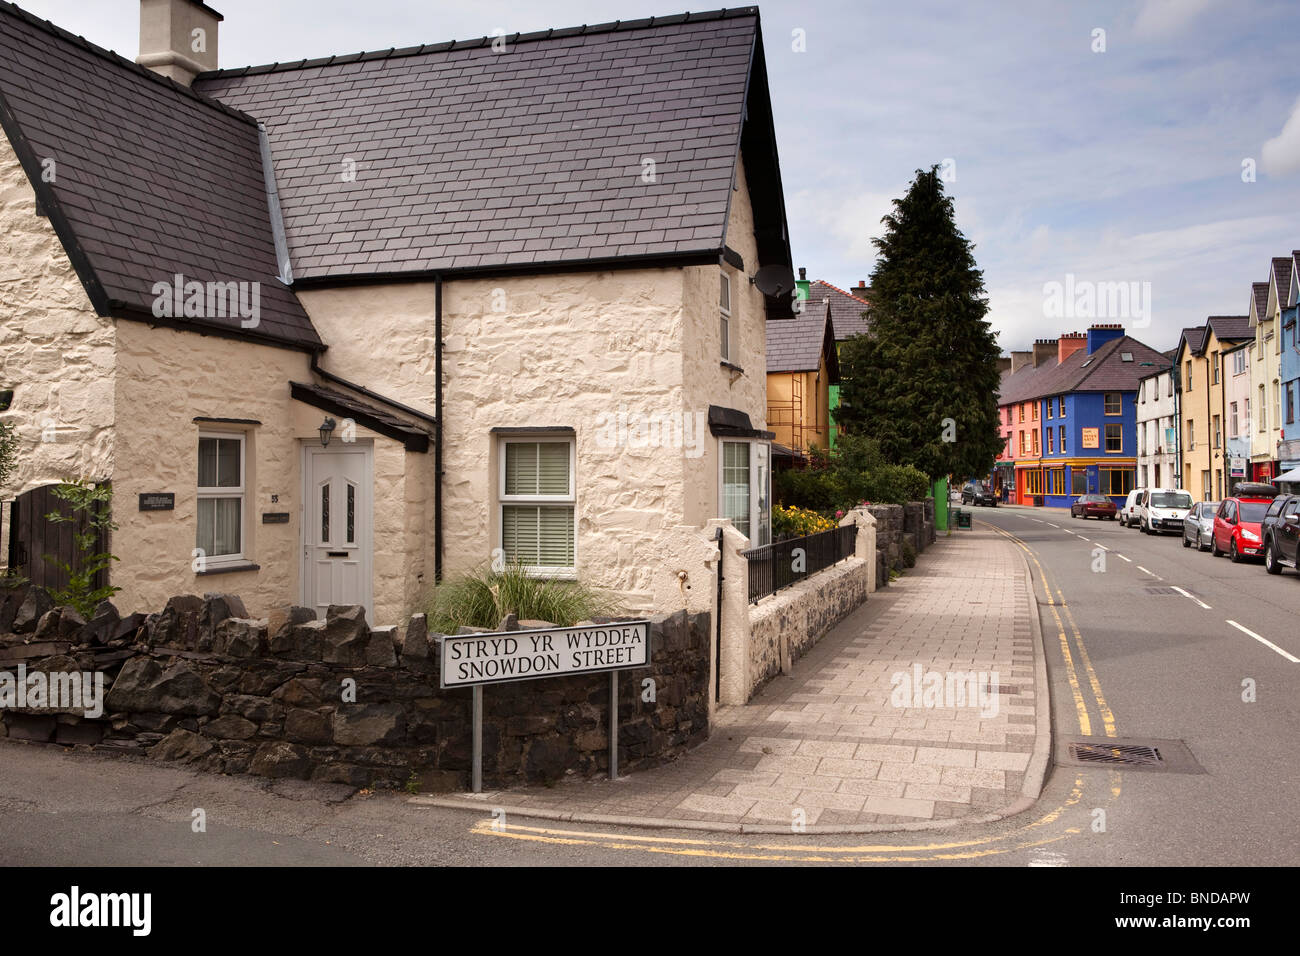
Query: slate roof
column 466, row 158
column 149, row 179
column 846, row 309
column 797, row 345
column 1195, row 338
column 1282, row 276
column 370, row 414
column 1260, row 291
column 1230, row 328
column 1102, row 371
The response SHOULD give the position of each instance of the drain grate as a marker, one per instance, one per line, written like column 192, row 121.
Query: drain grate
column 1127, row 754
column 1160, row 590
column 1148, row 754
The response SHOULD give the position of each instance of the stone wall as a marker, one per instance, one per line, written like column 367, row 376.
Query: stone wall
column 889, row 540
column 784, row 626
column 202, row 684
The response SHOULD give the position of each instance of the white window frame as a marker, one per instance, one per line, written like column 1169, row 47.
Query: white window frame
column 210, row 561
column 724, row 316
column 756, row 495
column 571, row 499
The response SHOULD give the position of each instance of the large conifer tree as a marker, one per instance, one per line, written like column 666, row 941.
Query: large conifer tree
column 929, row 355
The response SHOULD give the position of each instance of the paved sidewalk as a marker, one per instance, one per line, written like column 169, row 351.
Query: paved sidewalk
column 827, row 747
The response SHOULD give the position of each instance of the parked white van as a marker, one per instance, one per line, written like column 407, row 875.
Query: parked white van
column 1162, row 509
column 1127, row 512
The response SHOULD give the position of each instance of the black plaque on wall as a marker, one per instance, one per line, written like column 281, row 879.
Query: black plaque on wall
column 158, row 501
column 275, row 517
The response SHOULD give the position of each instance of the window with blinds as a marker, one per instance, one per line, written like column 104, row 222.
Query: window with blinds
column 537, row 504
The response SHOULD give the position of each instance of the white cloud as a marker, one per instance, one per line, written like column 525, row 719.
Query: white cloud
column 1281, row 154
column 1163, row 17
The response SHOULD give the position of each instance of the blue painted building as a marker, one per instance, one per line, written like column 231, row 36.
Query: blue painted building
column 1073, row 421
column 1289, row 376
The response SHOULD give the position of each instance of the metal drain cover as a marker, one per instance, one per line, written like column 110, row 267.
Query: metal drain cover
column 1160, row 590
column 1161, row 756
column 1109, row 753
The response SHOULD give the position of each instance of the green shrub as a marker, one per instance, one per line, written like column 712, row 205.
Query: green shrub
column 482, row 597
column 856, row 471
column 93, row 505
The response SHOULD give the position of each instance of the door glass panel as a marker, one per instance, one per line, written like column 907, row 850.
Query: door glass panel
column 325, row 512
column 352, row 514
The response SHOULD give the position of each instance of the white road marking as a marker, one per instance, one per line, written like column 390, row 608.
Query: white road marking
column 1145, row 571
column 1054, row 525
column 1191, row 597
column 1267, row 643
column 1043, row 857
column 1122, row 558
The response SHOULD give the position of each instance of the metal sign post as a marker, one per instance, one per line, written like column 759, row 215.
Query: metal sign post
column 613, row 725
column 502, row 657
column 476, row 778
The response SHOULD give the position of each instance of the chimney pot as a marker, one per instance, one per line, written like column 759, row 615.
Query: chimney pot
column 803, row 273
column 178, row 38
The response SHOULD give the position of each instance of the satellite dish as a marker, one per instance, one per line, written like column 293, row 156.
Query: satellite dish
column 775, row 280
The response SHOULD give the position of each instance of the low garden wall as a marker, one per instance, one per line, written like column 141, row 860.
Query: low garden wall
column 201, row 684
column 784, row 626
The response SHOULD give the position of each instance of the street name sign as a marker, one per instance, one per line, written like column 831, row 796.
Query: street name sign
column 473, row 659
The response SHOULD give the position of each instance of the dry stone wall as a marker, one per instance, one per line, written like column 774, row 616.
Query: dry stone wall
column 201, row 683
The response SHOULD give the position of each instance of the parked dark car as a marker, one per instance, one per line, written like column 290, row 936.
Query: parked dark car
column 978, row 493
column 1281, row 530
column 1093, row 506
column 1237, row 528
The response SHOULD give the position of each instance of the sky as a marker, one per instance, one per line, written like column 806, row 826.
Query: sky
column 1154, row 143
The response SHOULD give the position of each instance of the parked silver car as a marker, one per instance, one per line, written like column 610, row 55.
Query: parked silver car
column 1198, row 529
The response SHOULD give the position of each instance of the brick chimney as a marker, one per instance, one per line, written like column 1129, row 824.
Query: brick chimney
column 178, row 38
column 1099, row 335
column 1020, row 359
column 1004, row 363
column 861, row 290
column 1070, row 343
column 1044, row 349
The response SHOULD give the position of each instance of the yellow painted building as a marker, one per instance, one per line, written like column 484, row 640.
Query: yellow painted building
column 1202, row 422
column 802, row 365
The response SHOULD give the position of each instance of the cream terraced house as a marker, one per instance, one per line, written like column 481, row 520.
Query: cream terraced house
column 334, row 329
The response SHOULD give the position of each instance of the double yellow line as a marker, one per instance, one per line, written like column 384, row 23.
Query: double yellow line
column 1062, row 616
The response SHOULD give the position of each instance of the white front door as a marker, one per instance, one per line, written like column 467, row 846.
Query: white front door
column 337, row 539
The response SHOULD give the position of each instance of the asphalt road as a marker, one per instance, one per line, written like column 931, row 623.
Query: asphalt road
column 1142, row 664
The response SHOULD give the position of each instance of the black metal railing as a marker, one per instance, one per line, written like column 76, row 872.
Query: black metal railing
column 783, row 563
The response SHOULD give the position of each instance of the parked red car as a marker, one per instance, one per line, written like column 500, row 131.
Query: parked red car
column 1093, row 506
column 1237, row 527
